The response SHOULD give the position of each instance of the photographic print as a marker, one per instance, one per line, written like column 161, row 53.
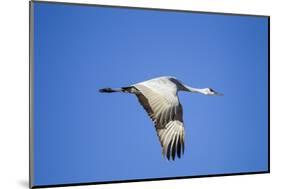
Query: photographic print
column 120, row 94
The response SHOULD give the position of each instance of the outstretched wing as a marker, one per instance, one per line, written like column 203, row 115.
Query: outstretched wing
column 164, row 109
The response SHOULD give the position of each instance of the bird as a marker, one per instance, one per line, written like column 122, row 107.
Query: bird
column 159, row 98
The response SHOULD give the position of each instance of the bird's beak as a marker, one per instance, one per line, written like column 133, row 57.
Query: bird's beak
column 218, row 94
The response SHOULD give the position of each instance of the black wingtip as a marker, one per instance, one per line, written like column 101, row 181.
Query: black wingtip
column 179, row 149
column 174, row 151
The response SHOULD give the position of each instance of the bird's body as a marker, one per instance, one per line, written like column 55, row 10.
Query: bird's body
column 163, row 85
column 159, row 98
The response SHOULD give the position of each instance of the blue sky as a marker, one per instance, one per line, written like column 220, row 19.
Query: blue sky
column 82, row 135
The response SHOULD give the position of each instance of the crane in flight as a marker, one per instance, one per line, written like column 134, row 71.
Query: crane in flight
column 159, row 98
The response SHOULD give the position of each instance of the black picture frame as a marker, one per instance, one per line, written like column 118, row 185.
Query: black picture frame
column 131, row 180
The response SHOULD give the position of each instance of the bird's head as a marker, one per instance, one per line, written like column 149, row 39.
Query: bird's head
column 211, row 92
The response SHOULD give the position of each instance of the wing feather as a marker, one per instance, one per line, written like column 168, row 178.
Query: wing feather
column 166, row 113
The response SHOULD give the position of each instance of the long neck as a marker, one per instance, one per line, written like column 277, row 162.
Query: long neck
column 183, row 87
column 193, row 90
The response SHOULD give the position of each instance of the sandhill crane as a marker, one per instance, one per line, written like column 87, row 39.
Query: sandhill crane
column 159, row 98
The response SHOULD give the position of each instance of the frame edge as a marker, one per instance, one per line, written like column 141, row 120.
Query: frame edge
column 31, row 77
